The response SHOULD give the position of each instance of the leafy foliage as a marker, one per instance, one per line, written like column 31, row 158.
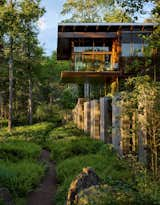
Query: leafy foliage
column 66, row 148
column 16, row 150
column 38, row 133
column 22, row 177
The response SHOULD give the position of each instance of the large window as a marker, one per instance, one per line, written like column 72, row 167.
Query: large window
column 135, row 49
column 132, row 44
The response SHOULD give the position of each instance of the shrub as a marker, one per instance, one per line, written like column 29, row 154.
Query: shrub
column 108, row 167
column 38, row 133
column 15, row 150
column 49, row 112
column 66, row 131
column 21, row 177
column 66, row 148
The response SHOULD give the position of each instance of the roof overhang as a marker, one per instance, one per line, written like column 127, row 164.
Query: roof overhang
column 107, row 24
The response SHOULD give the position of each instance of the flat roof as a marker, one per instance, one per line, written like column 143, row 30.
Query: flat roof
column 107, row 24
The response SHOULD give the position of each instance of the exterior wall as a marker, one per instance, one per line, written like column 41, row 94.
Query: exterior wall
column 100, row 117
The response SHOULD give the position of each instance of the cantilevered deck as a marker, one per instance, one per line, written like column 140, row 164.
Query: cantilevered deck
column 89, row 76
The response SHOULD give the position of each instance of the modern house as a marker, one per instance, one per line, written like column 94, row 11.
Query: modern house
column 101, row 52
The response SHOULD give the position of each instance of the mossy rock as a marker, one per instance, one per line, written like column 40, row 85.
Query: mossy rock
column 107, row 195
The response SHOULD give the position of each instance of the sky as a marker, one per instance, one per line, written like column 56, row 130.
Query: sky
column 48, row 24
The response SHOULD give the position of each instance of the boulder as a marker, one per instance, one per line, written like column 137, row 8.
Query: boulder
column 107, row 195
column 84, row 180
column 5, row 197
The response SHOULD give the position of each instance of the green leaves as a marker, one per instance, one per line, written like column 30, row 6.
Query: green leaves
column 85, row 10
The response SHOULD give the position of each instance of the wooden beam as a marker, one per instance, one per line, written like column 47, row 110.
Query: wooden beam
column 87, row 35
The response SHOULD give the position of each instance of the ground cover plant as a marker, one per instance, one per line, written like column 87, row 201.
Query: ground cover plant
column 15, row 150
column 20, row 168
column 74, row 152
column 21, row 177
column 65, row 131
column 38, row 133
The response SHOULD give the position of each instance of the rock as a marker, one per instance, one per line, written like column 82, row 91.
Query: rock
column 94, row 195
column 6, row 197
column 84, row 180
column 107, row 195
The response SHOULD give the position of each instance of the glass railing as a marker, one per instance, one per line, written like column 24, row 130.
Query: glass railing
column 94, row 61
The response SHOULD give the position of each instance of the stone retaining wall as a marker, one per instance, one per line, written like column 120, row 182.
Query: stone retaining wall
column 106, row 120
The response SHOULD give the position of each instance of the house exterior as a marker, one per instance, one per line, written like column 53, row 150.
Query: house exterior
column 101, row 52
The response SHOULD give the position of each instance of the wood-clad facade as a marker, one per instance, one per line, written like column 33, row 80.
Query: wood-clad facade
column 100, row 51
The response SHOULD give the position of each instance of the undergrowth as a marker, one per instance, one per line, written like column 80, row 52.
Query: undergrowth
column 15, row 150
column 74, row 151
column 21, row 177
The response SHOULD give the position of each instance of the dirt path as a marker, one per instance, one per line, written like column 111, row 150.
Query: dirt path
column 44, row 194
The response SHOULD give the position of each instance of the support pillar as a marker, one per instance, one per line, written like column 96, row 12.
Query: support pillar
column 116, row 133
column 95, row 119
column 105, row 119
column 87, row 117
column 80, row 115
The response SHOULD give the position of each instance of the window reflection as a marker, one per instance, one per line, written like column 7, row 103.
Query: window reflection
column 93, row 62
column 135, row 49
column 93, row 58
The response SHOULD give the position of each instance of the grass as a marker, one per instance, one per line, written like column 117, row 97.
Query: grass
column 20, row 171
column 15, row 150
column 74, row 151
column 71, row 146
column 65, row 131
column 38, row 133
column 108, row 167
column 21, row 177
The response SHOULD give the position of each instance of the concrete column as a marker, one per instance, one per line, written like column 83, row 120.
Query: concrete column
column 87, row 117
column 116, row 134
column 105, row 119
column 86, row 90
column 75, row 115
column 95, row 119
column 80, row 114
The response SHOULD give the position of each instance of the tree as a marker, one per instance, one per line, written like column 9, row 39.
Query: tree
column 85, row 10
column 142, row 97
column 99, row 10
column 9, row 14
column 30, row 13
column 117, row 15
column 20, row 37
column 132, row 7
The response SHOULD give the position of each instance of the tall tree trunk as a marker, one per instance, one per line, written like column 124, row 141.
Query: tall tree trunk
column 30, row 101
column 10, row 85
